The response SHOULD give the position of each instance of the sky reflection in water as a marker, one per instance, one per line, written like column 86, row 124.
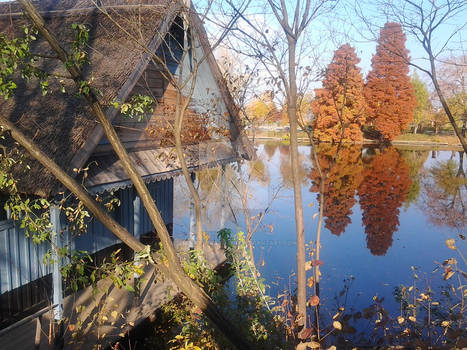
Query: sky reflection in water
column 384, row 212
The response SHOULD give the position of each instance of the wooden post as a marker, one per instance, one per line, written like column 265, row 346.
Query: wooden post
column 192, row 236
column 37, row 339
column 137, row 217
column 57, row 298
column 56, row 275
column 222, row 223
column 137, row 233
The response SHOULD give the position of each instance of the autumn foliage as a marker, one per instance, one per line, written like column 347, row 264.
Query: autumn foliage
column 382, row 192
column 389, row 92
column 339, row 106
column 342, row 169
column 262, row 110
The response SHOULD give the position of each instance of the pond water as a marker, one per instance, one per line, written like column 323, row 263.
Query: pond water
column 387, row 215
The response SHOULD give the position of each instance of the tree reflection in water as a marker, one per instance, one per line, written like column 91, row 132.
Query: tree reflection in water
column 444, row 198
column 342, row 168
column 382, row 185
column 382, row 191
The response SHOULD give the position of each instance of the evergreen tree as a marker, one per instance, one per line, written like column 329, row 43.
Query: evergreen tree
column 339, row 107
column 389, row 92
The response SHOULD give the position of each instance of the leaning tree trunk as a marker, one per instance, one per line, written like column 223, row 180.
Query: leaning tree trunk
column 445, row 104
column 175, row 271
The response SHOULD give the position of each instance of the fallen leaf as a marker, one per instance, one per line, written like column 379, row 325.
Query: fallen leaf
column 305, row 333
column 337, row 325
column 310, row 344
column 451, row 243
column 448, row 275
column 314, row 300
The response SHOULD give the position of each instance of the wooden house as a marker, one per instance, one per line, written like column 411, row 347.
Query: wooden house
column 62, row 124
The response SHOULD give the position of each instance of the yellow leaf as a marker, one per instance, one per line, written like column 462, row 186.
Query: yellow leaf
column 315, row 215
column 451, row 244
column 310, row 204
column 400, row 319
column 445, row 324
column 413, row 319
column 448, row 275
column 336, row 316
column 337, row 325
column 307, row 265
column 310, row 282
column 114, row 314
column 104, row 318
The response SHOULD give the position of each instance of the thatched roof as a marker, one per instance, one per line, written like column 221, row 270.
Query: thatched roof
column 107, row 172
column 62, row 124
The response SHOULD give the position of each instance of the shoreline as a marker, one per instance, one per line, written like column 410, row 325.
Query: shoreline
column 412, row 143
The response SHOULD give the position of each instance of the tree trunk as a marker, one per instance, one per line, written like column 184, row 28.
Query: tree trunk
column 299, row 226
column 444, row 103
column 415, row 128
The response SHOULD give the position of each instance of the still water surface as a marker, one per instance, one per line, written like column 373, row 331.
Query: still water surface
column 386, row 213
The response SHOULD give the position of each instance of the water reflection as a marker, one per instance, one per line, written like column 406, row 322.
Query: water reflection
column 270, row 149
column 415, row 159
column 374, row 199
column 382, row 191
column 286, row 167
column 381, row 178
column 444, row 198
column 342, row 171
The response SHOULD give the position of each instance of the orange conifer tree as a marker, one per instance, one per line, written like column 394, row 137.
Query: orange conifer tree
column 339, row 107
column 389, row 92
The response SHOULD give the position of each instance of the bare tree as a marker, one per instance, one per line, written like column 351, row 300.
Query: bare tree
column 278, row 51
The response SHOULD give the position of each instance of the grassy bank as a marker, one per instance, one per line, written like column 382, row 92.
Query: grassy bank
column 417, row 139
column 445, row 139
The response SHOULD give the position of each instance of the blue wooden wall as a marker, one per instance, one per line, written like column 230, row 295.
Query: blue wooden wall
column 21, row 260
